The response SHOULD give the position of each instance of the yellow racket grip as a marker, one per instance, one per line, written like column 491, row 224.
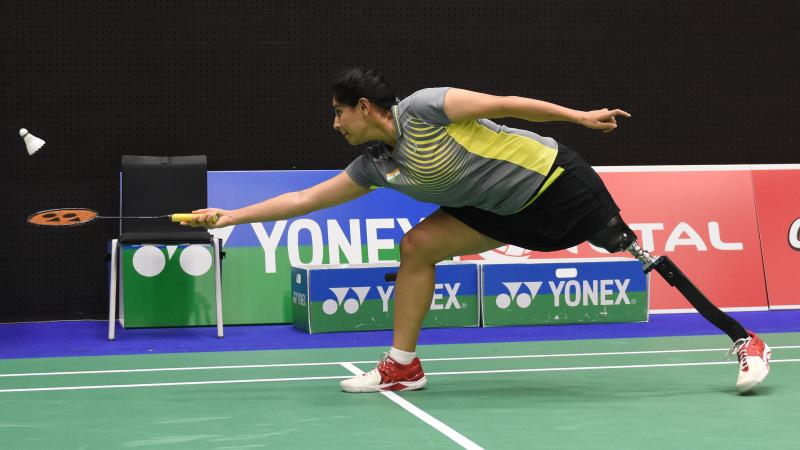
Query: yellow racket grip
column 187, row 217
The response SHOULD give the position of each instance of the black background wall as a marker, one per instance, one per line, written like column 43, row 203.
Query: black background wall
column 248, row 84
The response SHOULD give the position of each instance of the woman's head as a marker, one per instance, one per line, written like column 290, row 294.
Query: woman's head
column 360, row 98
column 355, row 84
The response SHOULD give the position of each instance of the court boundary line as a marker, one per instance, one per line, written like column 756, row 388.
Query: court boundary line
column 417, row 412
column 632, row 366
column 337, row 377
column 176, row 383
column 334, row 363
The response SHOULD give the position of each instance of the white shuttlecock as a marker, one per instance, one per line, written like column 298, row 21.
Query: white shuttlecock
column 32, row 143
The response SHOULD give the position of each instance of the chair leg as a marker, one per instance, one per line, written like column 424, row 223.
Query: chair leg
column 112, row 292
column 218, row 282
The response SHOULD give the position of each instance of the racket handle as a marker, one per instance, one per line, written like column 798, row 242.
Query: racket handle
column 187, row 217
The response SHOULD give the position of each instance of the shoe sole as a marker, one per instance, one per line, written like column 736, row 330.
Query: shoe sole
column 389, row 387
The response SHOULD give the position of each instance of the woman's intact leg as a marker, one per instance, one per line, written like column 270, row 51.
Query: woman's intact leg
column 439, row 237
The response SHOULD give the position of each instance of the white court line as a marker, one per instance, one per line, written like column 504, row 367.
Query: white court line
column 172, row 369
column 470, row 372
column 559, row 355
column 336, row 363
column 566, row 369
column 440, row 426
column 180, row 383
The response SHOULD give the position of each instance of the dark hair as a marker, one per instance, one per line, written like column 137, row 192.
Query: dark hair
column 353, row 84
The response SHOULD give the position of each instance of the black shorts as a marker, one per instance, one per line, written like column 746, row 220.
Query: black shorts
column 572, row 210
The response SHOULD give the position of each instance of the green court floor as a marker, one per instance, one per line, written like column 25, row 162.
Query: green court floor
column 648, row 393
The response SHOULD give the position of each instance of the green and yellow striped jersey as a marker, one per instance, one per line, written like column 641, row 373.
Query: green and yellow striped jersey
column 477, row 163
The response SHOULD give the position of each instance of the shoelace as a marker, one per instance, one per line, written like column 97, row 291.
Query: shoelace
column 376, row 369
column 739, row 348
column 384, row 365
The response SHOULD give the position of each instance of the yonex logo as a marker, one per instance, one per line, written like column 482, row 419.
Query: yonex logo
column 452, row 300
column 523, row 299
column 350, row 299
column 794, row 234
column 298, row 298
column 589, row 292
column 349, row 304
column 149, row 260
column 570, row 293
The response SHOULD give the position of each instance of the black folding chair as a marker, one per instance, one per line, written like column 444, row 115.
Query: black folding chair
column 157, row 185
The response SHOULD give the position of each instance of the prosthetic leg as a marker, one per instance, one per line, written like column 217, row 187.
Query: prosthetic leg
column 752, row 352
column 617, row 237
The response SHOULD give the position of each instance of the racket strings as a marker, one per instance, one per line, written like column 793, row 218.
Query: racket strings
column 62, row 217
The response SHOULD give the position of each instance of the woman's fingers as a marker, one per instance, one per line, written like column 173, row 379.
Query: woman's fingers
column 605, row 120
column 619, row 112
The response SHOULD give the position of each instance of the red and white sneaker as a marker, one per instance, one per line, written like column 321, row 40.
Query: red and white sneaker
column 389, row 375
column 754, row 357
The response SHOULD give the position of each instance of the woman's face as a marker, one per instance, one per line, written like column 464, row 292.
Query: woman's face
column 351, row 121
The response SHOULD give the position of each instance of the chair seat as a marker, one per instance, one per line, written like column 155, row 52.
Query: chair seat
column 174, row 237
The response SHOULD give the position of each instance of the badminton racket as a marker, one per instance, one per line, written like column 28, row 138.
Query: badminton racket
column 66, row 217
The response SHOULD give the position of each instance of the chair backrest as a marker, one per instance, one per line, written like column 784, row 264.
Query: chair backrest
column 158, row 185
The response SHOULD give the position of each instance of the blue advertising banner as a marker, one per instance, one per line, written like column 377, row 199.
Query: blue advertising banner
column 357, row 297
column 567, row 291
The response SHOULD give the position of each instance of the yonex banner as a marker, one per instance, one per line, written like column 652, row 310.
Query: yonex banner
column 562, row 292
column 357, row 297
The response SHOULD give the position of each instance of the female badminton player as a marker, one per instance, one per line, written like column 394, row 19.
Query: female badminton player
column 496, row 185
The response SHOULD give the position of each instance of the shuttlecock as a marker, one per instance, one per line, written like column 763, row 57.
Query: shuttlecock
column 32, row 143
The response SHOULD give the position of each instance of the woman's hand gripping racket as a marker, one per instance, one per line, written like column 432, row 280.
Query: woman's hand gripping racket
column 209, row 218
column 66, row 217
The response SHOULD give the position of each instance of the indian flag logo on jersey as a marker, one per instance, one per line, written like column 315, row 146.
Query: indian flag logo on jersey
column 393, row 174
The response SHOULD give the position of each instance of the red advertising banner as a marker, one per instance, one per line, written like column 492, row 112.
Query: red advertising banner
column 703, row 218
column 778, row 206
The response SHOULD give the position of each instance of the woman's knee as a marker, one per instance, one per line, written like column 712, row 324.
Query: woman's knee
column 417, row 245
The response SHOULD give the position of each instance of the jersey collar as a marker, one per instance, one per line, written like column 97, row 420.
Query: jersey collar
column 395, row 117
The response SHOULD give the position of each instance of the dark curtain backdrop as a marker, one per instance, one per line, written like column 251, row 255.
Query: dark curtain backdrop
column 248, row 83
